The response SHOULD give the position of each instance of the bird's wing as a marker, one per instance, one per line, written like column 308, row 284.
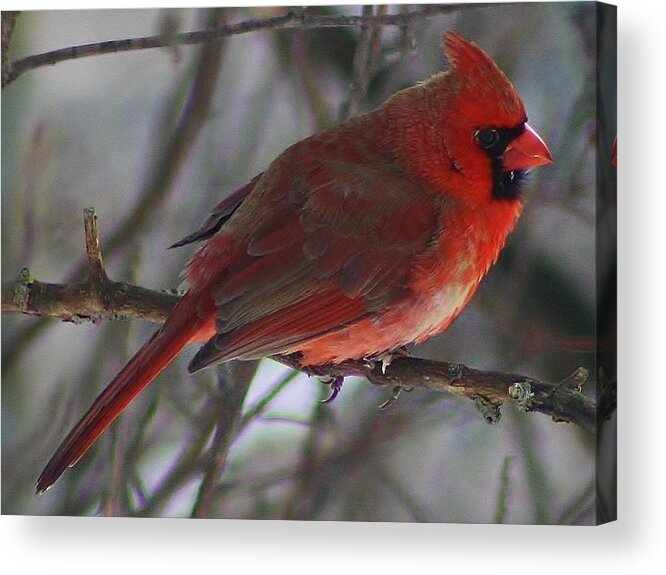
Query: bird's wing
column 328, row 247
column 219, row 216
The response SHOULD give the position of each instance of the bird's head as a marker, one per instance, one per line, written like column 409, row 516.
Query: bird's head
column 469, row 137
column 484, row 123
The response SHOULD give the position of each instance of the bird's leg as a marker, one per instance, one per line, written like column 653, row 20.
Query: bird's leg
column 335, row 383
column 386, row 358
column 320, row 372
column 395, row 393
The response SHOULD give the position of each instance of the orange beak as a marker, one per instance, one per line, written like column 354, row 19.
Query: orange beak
column 527, row 151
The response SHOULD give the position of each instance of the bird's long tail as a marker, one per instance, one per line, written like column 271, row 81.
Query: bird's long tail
column 181, row 327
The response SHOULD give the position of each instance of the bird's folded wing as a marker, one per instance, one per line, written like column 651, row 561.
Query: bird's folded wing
column 327, row 248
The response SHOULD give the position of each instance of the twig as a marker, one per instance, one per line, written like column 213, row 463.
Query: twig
column 365, row 61
column 292, row 19
column 258, row 407
column 186, row 464
column 299, row 503
column 97, row 274
column 231, row 393
column 308, row 82
column 582, row 504
column 343, row 454
column 534, row 471
column 505, row 479
column 177, row 145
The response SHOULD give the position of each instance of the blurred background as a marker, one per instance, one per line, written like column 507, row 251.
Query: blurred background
column 118, row 132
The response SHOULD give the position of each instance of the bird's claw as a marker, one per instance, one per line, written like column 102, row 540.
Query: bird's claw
column 386, row 358
column 335, row 383
column 395, row 393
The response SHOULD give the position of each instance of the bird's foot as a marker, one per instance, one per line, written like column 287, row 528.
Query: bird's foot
column 395, row 393
column 335, row 383
column 386, row 358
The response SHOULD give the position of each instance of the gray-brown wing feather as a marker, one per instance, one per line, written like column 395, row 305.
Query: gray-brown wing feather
column 350, row 231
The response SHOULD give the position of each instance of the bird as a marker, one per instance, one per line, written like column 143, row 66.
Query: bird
column 353, row 243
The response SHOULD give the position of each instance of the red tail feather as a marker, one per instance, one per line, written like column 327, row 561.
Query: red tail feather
column 181, row 328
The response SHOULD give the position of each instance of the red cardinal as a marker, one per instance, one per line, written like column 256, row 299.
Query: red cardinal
column 354, row 242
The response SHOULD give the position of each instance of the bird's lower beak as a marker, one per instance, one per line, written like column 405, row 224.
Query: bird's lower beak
column 527, row 151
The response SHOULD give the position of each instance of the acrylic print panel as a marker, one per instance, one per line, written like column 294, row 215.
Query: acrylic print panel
column 155, row 137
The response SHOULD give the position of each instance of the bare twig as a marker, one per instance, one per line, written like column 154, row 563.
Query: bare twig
column 365, row 60
column 583, row 503
column 298, row 505
column 401, row 492
column 97, row 274
column 534, row 471
column 258, row 407
column 340, row 459
column 291, row 19
column 231, row 395
column 309, row 84
column 186, row 464
column 176, row 147
column 505, row 479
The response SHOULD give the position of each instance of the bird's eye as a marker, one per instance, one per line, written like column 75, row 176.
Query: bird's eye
column 487, row 138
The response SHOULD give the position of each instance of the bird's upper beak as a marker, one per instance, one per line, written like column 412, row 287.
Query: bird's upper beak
column 526, row 151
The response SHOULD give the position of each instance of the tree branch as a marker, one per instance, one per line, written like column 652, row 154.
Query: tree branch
column 294, row 18
column 99, row 297
column 563, row 400
column 92, row 299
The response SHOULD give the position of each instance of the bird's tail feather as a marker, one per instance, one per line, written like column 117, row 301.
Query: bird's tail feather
column 180, row 329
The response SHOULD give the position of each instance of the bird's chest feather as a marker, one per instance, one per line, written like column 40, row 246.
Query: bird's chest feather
column 468, row 245
column 442, row 283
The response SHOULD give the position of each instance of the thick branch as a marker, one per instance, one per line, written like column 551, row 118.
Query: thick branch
column 292, row 19
column 99, row 297
column 108, row 299
column 77, row 302
column 489, row 389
